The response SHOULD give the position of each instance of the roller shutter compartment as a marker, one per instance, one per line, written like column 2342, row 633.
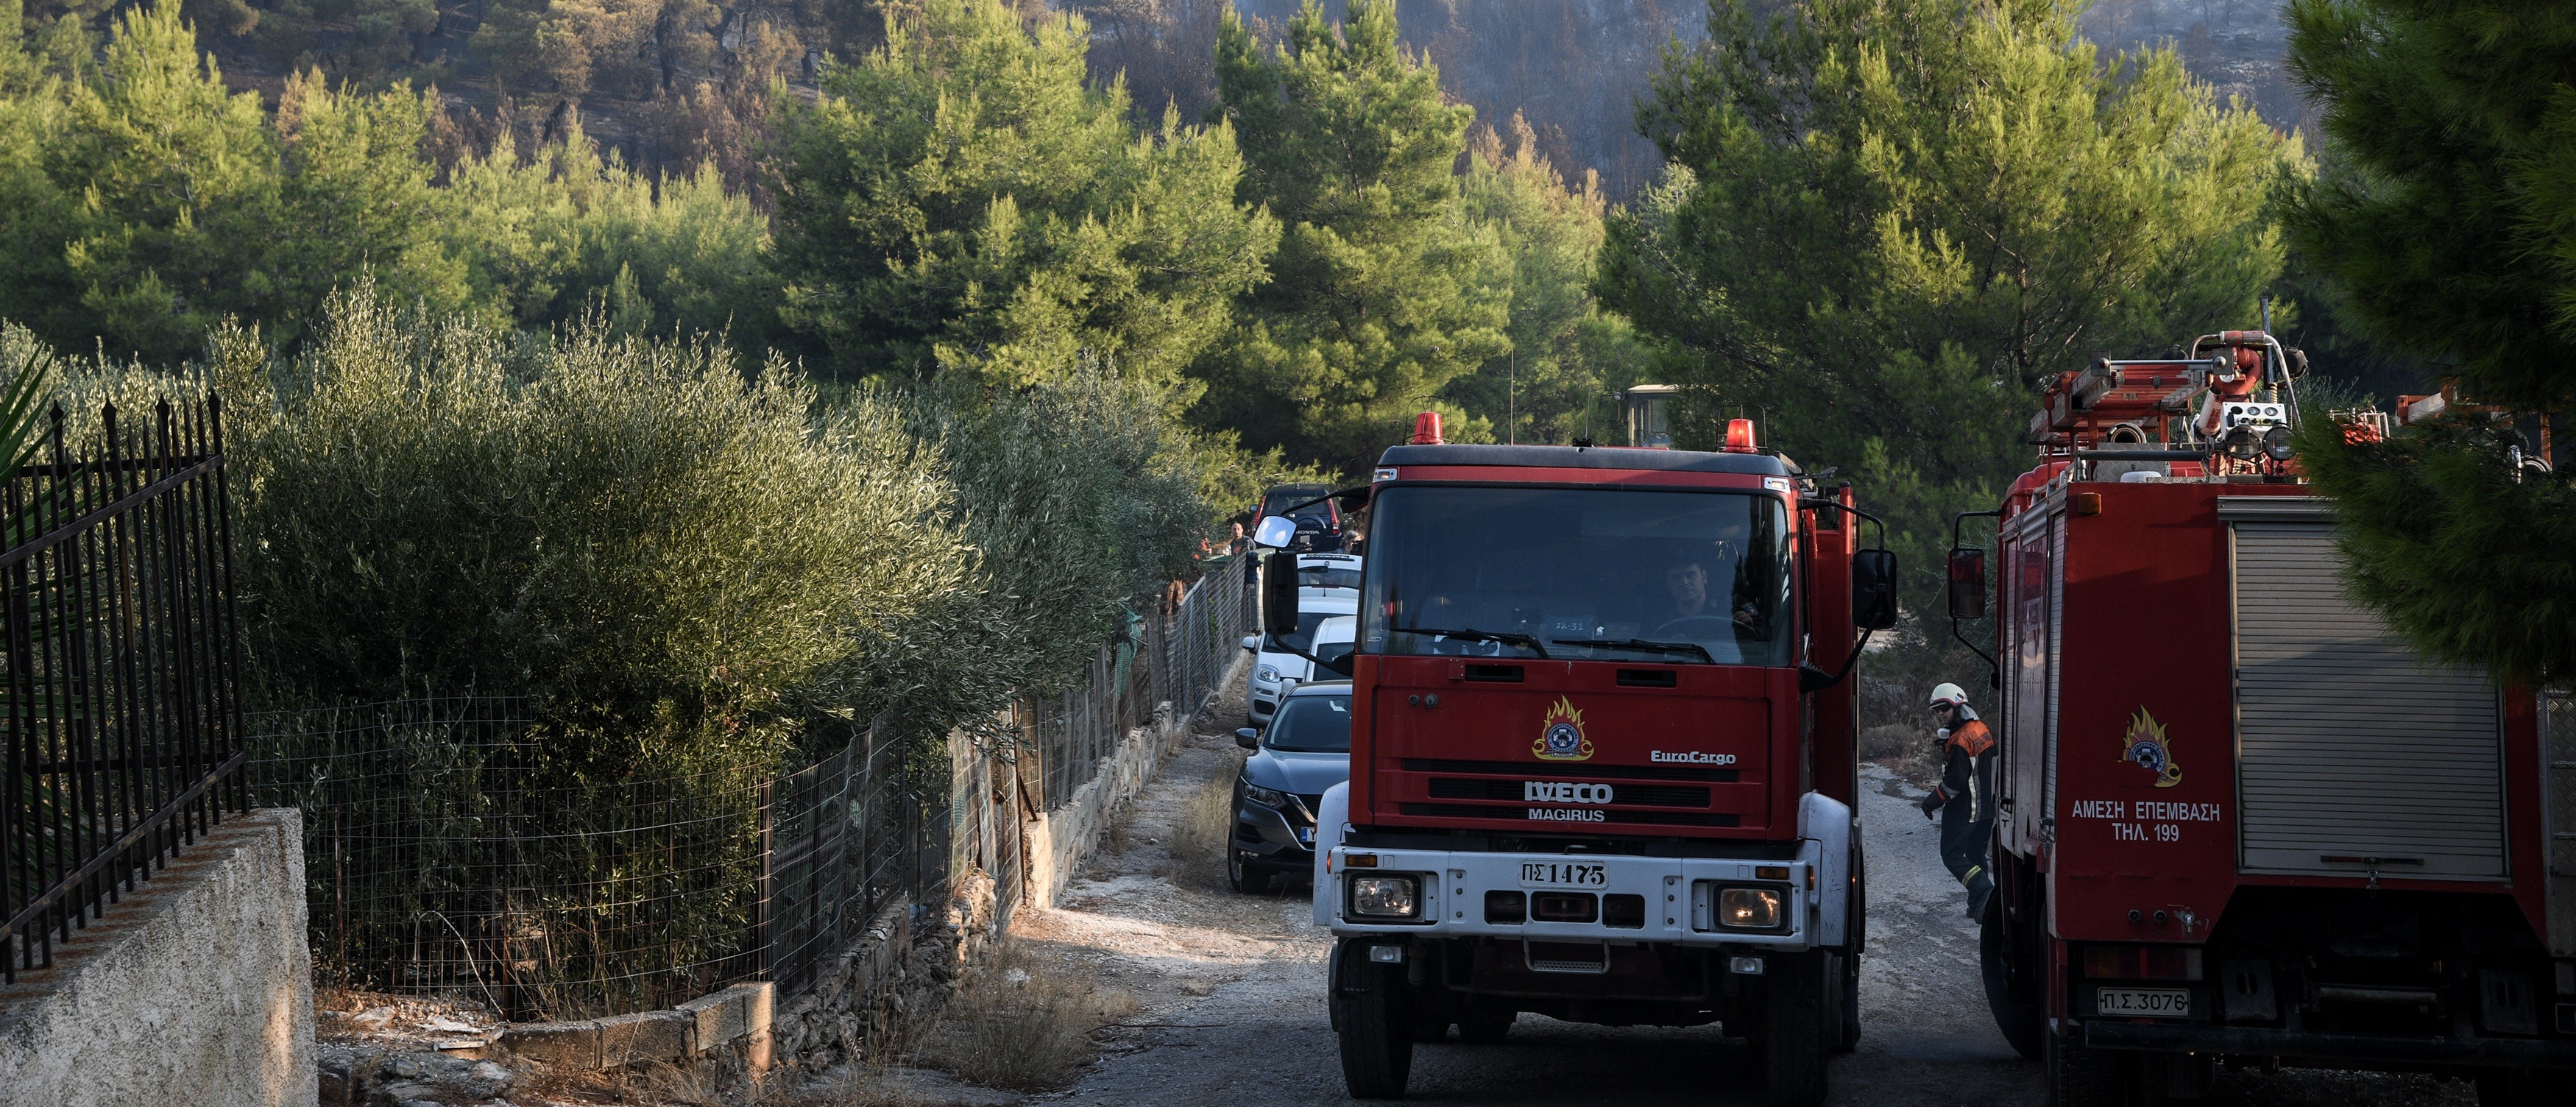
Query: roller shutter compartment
column 2350, row 745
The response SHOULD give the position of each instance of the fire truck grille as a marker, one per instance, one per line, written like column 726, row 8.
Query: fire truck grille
column 1650, row 795
column 1610, row 815
column 1523, row 770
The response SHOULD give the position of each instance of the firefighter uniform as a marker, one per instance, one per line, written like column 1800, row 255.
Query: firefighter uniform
column 1965, row 797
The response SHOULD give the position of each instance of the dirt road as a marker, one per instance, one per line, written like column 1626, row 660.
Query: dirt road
column 1231, row 988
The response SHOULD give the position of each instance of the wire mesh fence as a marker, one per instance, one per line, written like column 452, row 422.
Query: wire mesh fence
column 120, row 704
column 453, row 849
column 1175, row 656
column 449, row 849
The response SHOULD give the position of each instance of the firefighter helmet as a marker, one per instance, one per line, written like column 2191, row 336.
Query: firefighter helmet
column 1947, row 693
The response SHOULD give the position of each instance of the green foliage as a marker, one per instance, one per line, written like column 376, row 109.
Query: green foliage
column 142, row 203
column 1568, row 360
column 2470, row 557
column 1384, row 290
column 540, row 239
column 961, row 202
column 1889, row 221
column 162, row 183
column 2454, row 233
column 620, row 529
column 2450, row 238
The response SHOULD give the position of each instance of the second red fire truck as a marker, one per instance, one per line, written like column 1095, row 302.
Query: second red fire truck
column 2241, row 824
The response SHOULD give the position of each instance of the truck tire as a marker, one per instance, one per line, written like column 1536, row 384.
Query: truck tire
column 1859, row 931
column 1798, row 1030
column 1376, row 1032
column 2020, row 1022
column 1486, row 1025
column 2079, row 1076
column 2511, row 1088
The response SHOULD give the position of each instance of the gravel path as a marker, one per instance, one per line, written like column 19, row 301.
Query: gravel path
column 1233, row 1007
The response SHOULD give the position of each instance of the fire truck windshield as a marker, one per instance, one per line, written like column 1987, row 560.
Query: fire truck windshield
column 1682, row 576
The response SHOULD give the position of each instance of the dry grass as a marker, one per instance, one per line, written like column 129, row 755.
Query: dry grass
column 843, row 1088
column 1204, row 824
column 1020, row 1021
column 1903, row 750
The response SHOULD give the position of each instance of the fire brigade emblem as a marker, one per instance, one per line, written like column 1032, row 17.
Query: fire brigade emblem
column 2146, row 747
column 1560, row 735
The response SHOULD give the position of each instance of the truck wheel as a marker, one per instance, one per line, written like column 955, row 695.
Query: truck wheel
column 1859, row 944
column 1794, row 1041
column 1376, row 1035
column 2079, row 1076
column 2020, row 1022
column 1486, row 1025
column 2512, row 1088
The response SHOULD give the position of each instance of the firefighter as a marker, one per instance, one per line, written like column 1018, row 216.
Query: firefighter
column 1965, row 797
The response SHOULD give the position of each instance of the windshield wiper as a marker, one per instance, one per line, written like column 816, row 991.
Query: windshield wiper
column 1508, row 638
column 1643, row 644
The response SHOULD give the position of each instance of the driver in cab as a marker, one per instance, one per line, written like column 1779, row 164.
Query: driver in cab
column 1686, row 584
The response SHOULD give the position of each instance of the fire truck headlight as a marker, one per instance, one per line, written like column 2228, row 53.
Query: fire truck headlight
column 1386, row 897
column 1749, row 908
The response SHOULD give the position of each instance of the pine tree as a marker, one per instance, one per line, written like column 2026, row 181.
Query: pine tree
column 1887, row 222
column 2453, row 239
column 963, row 202
column 1568, row 359
column 1384, row 290
column 175, row 182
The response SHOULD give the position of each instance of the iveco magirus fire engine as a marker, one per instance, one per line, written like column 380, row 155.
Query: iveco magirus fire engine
column 2241, row 823
column 1601, row 752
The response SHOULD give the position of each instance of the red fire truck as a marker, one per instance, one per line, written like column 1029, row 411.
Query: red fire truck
column 2240, row 822
column 1601, row 752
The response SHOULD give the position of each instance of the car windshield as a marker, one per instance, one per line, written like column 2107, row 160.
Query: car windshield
column 1312, row 724
column 1690, row 577
column 1340, row 574
column 1308, row 620
column 1280, row 497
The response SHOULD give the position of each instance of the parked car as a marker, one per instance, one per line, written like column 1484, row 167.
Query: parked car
column 1306, row 750
column 1319, row 525
column 1327, row 571
column 1325, row 626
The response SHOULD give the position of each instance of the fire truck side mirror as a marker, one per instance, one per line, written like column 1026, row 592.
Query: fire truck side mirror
column 1967, row 584
column 1279, row 594
column 1874, row 589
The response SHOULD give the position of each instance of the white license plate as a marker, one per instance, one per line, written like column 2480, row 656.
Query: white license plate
column 2168, row 1003
column 1561, row 874
column 1306, row 835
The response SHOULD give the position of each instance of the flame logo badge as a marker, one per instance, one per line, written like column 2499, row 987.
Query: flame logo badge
column 2146, row 747
column 1560, row 734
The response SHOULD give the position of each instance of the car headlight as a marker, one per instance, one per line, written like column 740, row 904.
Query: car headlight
column 1266, row 797
column 1266, row 674
column 1749, row 908
column 1386, row 897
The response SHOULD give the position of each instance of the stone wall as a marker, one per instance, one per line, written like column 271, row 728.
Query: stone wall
column 902, row 968
column 196, row 989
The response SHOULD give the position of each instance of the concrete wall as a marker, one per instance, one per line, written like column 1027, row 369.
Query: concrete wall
column 196, row 989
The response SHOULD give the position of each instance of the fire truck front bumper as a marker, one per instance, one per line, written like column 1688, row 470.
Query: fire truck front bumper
column 1768, row 898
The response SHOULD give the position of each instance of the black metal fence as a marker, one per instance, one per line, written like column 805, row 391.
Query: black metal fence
column 120, row 703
